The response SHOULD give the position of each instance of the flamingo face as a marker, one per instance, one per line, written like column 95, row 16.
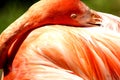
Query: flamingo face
column 73, row 12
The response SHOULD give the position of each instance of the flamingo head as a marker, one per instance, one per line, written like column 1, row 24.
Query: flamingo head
column 66, row 12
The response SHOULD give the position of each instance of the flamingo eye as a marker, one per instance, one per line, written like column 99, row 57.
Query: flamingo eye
column 73, row 16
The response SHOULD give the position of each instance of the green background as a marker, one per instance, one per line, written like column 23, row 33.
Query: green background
column 11, row 10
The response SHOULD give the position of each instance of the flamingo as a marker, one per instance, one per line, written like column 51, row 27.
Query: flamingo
column 47, row 43
column 46, row 12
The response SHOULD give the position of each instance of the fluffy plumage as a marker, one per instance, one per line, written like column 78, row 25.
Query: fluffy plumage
column 62, row 52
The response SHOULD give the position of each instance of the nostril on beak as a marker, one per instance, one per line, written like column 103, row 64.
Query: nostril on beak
column 96, row 18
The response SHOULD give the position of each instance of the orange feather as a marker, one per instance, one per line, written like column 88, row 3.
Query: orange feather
column 62, row 52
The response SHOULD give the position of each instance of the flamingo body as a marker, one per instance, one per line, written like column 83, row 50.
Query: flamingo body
column 51, row 51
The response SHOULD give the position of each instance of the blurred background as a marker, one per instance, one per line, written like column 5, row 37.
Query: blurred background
column 10, row 10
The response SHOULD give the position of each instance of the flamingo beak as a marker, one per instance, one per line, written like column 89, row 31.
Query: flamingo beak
column 89, row 18
column 95, row 18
